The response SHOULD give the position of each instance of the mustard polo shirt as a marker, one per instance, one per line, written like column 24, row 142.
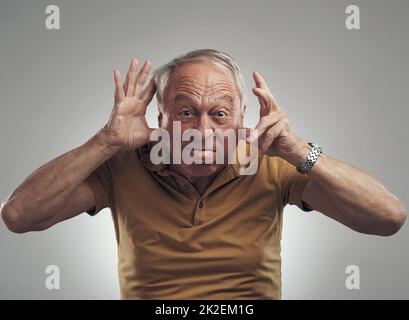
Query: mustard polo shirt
column 174, row 243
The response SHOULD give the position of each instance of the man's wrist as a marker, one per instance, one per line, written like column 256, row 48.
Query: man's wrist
column 311, row 158
column 300, row 154
column 103, row 141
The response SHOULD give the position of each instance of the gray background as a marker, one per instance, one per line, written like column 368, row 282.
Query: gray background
column 346, row 90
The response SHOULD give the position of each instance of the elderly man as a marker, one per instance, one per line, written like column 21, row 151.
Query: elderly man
column 198, row 230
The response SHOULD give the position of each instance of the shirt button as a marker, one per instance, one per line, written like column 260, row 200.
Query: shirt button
column 200, row 205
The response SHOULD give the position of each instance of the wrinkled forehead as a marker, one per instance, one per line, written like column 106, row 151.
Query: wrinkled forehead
column 201, row 80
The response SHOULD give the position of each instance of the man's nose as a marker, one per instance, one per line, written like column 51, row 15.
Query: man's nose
column 205, row 126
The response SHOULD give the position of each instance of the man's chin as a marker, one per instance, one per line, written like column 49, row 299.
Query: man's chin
column 202, row 170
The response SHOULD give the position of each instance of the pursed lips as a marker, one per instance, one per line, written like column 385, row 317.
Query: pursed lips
column 198, row 149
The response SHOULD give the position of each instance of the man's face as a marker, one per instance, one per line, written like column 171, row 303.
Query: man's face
column 201, row 96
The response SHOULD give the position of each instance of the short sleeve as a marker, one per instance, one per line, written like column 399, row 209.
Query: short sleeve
column 100, row 182
column 292, row 184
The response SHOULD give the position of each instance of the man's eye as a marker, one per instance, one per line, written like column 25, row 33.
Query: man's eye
column 220, row 114
column 186, row 113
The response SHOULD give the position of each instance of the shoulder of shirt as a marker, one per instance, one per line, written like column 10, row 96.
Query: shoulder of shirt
column 273, row 163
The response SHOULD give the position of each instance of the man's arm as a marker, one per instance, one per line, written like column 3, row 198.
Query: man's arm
column 336, row 189
column 351, row 196
column 56, row 191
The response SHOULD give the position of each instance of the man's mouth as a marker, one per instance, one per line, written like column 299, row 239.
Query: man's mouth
column 190, row 148
column 201, row 155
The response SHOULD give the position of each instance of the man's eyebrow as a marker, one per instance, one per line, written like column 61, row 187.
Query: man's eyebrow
column 226, row 98
column 180, row 97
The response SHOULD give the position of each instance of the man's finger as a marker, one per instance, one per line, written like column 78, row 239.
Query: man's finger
column 131, row 78
column 264, row 107
column 260, row 82
column 148, row 92
column 267, row 97
column 142, row 76
column 119, row 92
column 265, row 123
column 125, row 85
column 269, row 103
column 270, row 135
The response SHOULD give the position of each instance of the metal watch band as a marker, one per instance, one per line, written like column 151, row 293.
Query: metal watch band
column 312, row 157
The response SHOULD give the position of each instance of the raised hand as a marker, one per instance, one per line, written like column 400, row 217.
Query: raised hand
column 274, row 134
column 127, row 127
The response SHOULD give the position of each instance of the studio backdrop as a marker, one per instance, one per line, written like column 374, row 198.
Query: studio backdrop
column 342, row 83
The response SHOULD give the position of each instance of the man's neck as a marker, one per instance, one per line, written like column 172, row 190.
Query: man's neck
column 201, row 183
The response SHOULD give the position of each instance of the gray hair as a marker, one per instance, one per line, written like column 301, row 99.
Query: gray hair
column 216, row 57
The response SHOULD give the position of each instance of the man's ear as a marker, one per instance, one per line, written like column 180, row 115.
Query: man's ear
column 160, row 119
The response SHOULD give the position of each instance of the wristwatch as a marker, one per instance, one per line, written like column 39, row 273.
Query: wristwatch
column 312, row 157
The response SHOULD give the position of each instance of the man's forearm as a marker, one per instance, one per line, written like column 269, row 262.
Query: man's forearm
column 353, row 197
column 46, row 190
